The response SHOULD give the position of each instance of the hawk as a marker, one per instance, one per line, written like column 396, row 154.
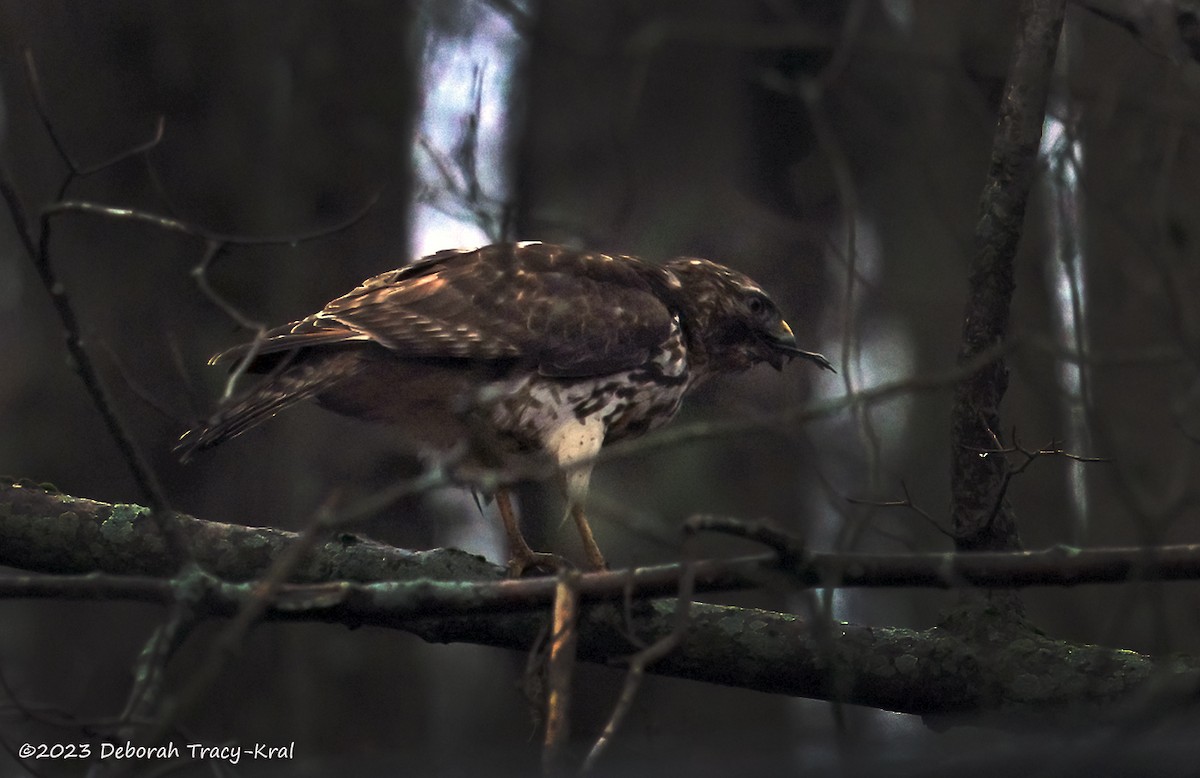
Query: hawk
column 511, row 358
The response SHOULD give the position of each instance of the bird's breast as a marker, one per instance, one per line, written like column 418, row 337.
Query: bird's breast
column 628, row 403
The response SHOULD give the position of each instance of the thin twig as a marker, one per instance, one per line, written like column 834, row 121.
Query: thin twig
column 789, row 549
column 43, row 112
column 150, row 668
column 1053, row 449
column 135, row 386
column 39, row 252
column 181, row 226
column 133, row 151
column 908, row 503
column 212, row 250
column 251, row 610
column 651, row 653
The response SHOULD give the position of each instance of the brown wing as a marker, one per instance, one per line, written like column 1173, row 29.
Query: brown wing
column 572, row 313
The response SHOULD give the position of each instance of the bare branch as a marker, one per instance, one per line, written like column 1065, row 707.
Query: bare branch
column 160, row 127
column 77, row 170
column 39, row 99
column 429, row 593
column 150, row 669
column 1167, row 28
column 788, row 548
column 117, row 539
column 932, row 671
column 650, row 654
column 172, row 224
column 100, row 537
column 262, row 597
column 1028, row 458
column 135, row 386
column 977, row 480
column 560, row 670
column 39, row 252
column 213, row 249
column 908, row 503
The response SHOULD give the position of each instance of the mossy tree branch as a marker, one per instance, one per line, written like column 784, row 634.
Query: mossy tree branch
column 971, row 665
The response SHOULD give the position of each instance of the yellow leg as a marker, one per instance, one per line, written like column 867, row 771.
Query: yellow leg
column 594, row 557
column 521, row 556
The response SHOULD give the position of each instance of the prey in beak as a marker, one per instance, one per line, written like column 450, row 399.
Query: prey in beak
column 781, row 342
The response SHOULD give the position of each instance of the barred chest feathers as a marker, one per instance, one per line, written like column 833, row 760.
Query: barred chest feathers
column 625, row 404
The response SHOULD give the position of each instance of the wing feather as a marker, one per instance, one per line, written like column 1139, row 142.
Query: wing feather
column 571, row 313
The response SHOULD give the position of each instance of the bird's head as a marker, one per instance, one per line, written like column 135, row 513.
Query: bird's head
column 734, row 321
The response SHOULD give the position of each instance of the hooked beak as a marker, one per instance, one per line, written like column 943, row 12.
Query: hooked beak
column 782, row 342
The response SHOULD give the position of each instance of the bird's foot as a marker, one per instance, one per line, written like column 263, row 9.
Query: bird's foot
column 527, row 559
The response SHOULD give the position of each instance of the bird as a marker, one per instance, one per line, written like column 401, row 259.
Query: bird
column 513, row 359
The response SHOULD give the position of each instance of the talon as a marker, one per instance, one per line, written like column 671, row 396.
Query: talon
column 532, row 560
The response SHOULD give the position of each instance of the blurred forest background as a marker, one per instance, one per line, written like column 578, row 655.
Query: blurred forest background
column 834, row 151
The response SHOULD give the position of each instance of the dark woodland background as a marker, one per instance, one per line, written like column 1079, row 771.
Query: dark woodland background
column 651, row 128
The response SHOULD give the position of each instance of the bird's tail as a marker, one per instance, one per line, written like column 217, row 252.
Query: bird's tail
column 270, row 396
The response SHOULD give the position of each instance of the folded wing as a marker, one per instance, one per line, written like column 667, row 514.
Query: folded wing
column 571, row 313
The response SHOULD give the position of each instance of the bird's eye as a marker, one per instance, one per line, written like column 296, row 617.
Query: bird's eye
column 757, row 304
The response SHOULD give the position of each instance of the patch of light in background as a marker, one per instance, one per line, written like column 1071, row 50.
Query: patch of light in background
column 883, row 353
column 476, row 64
column 900, row 13
column 470, row 56
column 1063, row 155
column 466, row 76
